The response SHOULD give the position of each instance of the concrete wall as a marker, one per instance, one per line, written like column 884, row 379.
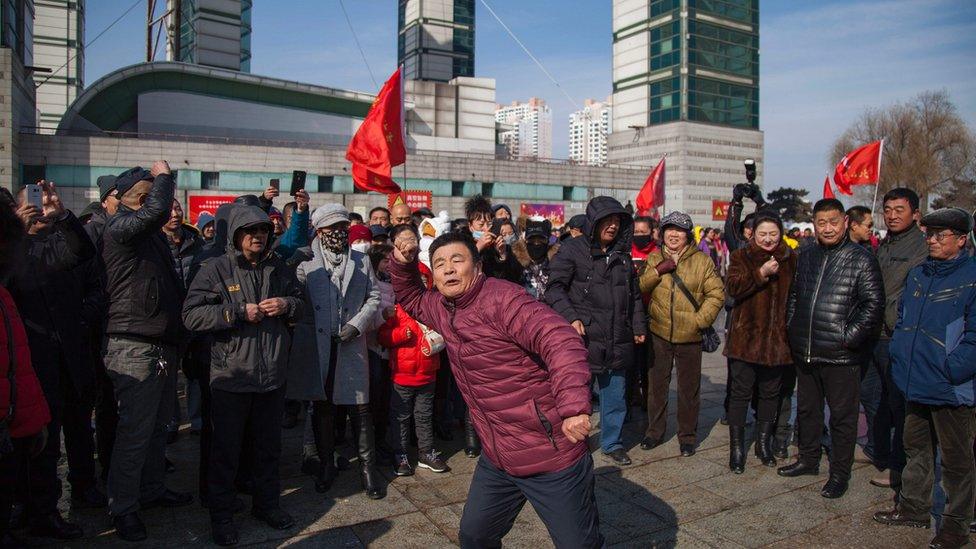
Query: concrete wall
column 703, row 162
column 78, row 161
column 16, row 112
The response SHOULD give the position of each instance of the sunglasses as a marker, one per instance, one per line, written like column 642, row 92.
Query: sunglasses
column 257, row 229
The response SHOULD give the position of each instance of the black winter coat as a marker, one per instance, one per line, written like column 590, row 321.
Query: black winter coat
column 835, row 306
column 186, row 255
column 244, row 356
column 145, row 294
column 600, row 289
column 51, row 289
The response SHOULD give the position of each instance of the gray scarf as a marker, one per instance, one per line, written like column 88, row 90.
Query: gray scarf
column 336, row 264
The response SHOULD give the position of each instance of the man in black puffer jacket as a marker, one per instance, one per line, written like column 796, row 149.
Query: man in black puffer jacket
column 141, row 352
column 834, row 310
column 593, row 285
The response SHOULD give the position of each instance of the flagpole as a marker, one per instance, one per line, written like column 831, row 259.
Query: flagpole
column 878, row 184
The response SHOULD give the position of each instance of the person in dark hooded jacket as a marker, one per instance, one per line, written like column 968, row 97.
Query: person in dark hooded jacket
column 245, row 299
column 593, row 285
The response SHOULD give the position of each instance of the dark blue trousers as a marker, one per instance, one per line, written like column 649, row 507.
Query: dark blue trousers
column 564, row 500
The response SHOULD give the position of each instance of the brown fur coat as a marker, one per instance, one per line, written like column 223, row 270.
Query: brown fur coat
column 758, row 331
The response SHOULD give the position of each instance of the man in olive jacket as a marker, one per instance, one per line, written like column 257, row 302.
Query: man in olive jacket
column 832, row 316
column 245, row 299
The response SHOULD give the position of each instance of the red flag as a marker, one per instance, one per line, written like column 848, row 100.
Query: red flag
column 828, row 192
column 378, row 143
column 651, row 194
column 367, row 179
column 862, row 166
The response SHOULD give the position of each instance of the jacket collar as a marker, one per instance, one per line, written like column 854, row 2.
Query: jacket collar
column 469, row 296
column 755, row 253
column 910, row 232
column 945, row 267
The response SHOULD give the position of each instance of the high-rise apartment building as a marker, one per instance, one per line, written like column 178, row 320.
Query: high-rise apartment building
column 436, row 39
column 529, row 133
column 59, row 46
column 216, row 33
column 686, row 84
column 588, row 129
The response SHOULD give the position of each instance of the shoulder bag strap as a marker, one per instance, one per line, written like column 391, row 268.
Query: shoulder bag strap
column 11, row 367
column 684, row 289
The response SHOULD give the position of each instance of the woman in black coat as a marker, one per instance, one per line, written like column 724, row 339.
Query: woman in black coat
column 593, row 285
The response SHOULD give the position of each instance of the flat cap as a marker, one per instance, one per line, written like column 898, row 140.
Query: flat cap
column 679, row 220
column 955, row 219
column 327, row 215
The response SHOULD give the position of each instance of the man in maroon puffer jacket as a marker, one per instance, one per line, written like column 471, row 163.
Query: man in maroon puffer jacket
column 523, row 373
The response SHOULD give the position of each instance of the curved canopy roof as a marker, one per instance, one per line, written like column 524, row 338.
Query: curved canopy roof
column 112, row 102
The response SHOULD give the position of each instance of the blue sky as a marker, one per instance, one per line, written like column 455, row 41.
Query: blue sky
column 822, row 62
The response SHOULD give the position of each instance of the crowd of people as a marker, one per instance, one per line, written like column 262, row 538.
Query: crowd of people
column 392, row 329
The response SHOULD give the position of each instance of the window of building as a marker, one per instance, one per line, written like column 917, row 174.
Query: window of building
column 721, row 49
column 325, row 183
column 210, row 180
column 457, row 188
column 746, row 11
column 487, row 189
column 32, row 174
column 567, row 193
column 666, row 45
column 723, row 103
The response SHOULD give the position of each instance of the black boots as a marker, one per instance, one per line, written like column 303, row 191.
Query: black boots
column 737, row 449
column 362, row 424
column 323, row 430
column 764, row 443
column 836, row 487
column 472, row 445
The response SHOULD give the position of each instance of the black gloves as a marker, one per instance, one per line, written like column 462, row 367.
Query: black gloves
column 348, row 333
column 739, row 191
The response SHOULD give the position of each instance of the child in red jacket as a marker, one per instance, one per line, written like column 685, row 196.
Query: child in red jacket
column 414, row 360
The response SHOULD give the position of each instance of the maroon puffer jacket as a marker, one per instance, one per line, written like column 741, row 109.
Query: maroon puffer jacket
column 520, row 367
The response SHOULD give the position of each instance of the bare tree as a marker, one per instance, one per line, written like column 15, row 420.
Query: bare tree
column 927, row 144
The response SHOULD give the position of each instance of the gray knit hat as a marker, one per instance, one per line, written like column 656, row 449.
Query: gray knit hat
column 329, row 214
column 679, row 220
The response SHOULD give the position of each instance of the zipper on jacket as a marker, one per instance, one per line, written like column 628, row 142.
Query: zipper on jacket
column 452, row 309
column 546, row 424
column 911, row 350
column 813, row 305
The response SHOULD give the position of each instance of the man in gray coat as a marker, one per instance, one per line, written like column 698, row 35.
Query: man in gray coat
column 329, row 362
column 245, row 299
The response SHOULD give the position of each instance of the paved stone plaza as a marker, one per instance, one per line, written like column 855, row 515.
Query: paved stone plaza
column 663, row 500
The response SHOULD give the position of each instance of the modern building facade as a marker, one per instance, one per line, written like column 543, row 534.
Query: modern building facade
column 59, row 46
column 17, row 93
column 215, row 33
column 588, row 130
column 529, row 129
column 686, row 85
column 436, row 39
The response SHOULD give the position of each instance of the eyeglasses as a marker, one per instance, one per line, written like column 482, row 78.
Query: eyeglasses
column 940, row 236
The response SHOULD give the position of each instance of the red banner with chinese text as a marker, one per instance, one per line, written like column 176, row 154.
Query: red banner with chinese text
column 206, row 203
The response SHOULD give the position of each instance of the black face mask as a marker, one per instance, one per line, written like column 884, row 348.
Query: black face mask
column 537, row 251
column 642, row 241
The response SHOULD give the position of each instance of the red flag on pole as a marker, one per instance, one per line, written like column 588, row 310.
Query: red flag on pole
column 827, row 191
column 378, row 144
column 862, row 166
column 651, row 195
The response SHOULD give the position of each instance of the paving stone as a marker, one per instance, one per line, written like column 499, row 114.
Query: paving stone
column 410, row 531
column 336, row 538
column 665, row 474
column 756, row 484
column 766, row 521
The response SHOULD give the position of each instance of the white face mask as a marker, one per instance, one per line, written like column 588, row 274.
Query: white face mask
column 361, row 247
